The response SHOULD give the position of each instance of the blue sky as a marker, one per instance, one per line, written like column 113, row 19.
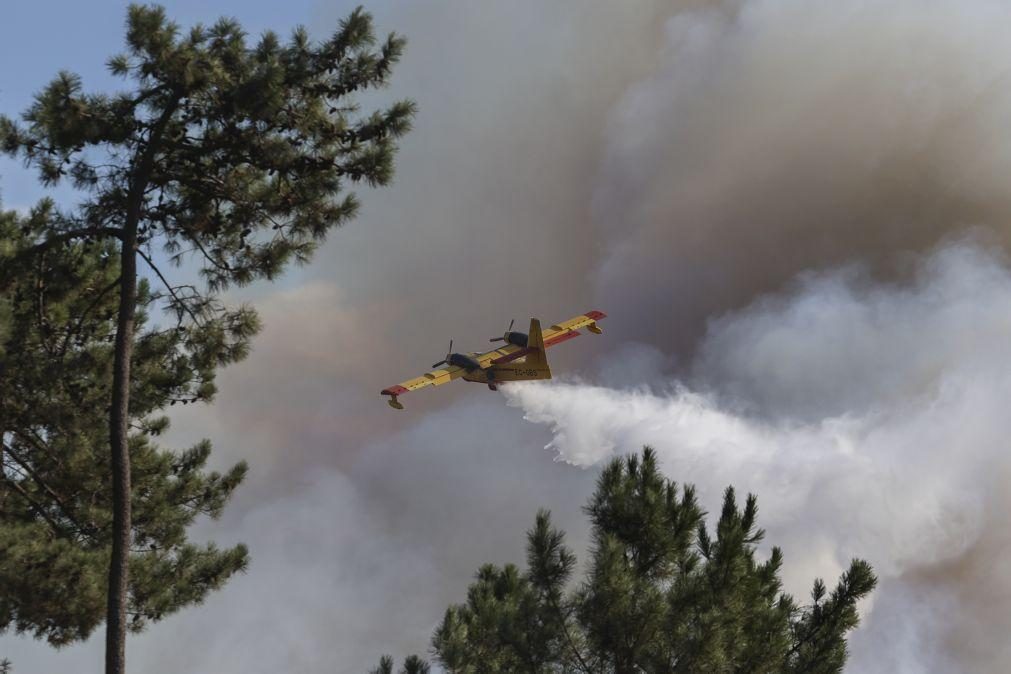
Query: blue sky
column 40, row 38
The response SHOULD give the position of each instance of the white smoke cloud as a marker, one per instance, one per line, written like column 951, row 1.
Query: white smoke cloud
column 871, row 420
column 351, row 565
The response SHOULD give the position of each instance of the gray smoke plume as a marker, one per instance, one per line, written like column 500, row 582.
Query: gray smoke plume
column 788, row 135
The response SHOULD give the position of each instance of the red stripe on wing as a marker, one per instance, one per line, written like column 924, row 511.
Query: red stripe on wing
column 595, row 315
column 510, row 357
column 564, row 337
column 397, row 390
column 557, row 339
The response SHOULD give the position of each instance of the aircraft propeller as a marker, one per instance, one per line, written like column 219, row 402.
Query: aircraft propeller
column 503, row 337
column 449, row 353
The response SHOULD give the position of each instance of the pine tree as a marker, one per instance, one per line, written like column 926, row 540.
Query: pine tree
column 226, row 155
column 661, row 594
column 412, row 665
column 56, row 510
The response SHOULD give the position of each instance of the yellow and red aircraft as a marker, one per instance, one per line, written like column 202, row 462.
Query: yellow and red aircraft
column 522, row 358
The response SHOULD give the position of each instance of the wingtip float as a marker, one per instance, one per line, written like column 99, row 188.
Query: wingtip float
column 523, row 358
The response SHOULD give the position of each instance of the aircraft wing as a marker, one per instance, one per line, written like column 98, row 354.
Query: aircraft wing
column 438, row 377
column 555, row 334
column 501, row 355
column 580, row 321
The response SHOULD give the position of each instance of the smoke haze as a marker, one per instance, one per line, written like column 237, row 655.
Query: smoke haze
column 795, row 215
column 900, row 456
column 790, row 135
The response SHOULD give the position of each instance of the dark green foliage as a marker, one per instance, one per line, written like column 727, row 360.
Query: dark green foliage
column 513, row 621
column 818, row 643
column 412, row 665
column 661, row 594
column 55, row 509
column 232, row 157
column 415, row 665
column 242, row 149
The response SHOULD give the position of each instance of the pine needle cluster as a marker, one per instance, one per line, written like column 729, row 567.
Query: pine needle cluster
column 661, row 594
column 56, row 354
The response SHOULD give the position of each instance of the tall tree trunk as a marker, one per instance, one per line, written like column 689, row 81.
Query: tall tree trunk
column 115, row 635
column 119, row 415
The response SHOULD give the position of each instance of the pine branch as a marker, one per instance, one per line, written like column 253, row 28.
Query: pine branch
column 86, row 313
column 31, row 472
column 568, row 637
column 36, row 506
column 70, row 235
column 171, row 289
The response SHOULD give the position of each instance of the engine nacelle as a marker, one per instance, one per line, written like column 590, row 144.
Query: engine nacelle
column 517, row 338
column 464, row 361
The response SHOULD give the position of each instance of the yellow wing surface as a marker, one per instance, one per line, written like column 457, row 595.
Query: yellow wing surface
column 555, row 334
column 434, row 378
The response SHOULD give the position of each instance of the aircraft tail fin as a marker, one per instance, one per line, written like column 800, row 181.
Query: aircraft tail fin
column 537, row 358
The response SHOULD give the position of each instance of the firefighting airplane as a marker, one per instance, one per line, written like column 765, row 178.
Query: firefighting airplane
column 522, row 358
